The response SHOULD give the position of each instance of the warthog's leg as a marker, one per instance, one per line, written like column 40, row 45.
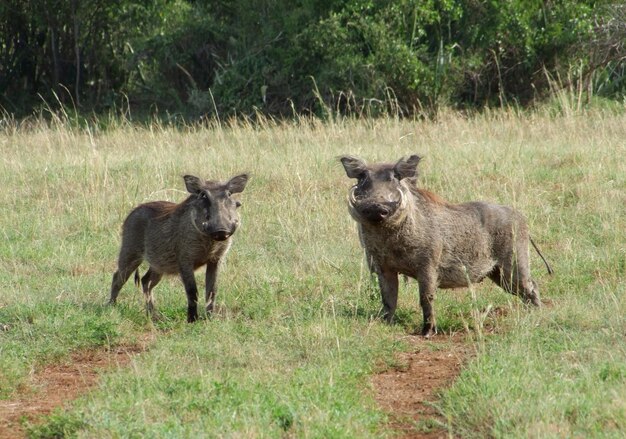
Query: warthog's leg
column 148, row 282
column 126, row 265
column 388, row 281
column 186, row 274
column 427, row 281
column 515, row 279
column 512, row 270
column 534, row 296
column 211, row 285
column 520, row 267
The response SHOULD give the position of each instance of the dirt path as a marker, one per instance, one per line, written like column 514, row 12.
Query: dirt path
column 57, row 384
column 405, row 391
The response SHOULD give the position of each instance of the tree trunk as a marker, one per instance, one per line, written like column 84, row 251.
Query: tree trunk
column 76, row 53
column 55, row 60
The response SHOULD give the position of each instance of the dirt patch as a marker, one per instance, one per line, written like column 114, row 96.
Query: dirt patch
column 406, row 391
column 56, row 384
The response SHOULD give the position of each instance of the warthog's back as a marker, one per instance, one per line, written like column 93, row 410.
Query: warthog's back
column 167, row 239
column 464, row 240
column 475, row 236
column 150, row 231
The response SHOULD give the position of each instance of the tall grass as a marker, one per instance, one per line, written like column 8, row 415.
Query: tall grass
column 295, row 338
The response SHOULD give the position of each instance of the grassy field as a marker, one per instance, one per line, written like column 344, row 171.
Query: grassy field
column 295, row 340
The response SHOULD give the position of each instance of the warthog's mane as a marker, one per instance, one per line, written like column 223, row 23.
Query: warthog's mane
column 428, row 195
column 163, row 209
column 431, row 197
column 411, row 183
column 166, row 209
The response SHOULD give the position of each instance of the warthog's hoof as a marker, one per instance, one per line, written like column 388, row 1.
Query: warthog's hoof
column 532, row 300
column 192, row 315
column 156, row 316
column 209, row 308
column 429, row 330
column 386, row 315
column 211, row 313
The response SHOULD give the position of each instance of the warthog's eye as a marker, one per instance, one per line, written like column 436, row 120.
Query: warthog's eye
column 237, row 203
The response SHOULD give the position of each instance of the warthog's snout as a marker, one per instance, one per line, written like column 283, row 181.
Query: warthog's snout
column 221, row 235
column 376, row 212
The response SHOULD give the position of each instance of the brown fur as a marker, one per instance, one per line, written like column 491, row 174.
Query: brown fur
column 411, row 231
column 430, row 196
column 180, row 238
column 165, row 208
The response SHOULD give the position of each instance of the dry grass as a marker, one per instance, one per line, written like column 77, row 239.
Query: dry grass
column 295, row 340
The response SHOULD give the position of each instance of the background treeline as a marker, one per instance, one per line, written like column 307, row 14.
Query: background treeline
column 281, row 57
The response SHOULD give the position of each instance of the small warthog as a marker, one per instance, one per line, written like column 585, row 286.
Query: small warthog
column 180, row 238
column 410, row 231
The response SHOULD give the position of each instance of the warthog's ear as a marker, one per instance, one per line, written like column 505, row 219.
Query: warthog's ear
column 407, row 168
column 237, row 184
column 354, row 166
column 194, row 184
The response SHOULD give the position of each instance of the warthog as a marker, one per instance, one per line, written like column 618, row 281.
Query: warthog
column 180, row 238
column 410, row 231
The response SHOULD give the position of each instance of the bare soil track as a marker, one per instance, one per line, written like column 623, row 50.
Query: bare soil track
column 406, row 392
column 57, row 384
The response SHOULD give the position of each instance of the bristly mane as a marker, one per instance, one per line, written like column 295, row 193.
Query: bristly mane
column 426, row 194
column 167, row 208
column 163, row 209
column 412, row 184
column 431, row 196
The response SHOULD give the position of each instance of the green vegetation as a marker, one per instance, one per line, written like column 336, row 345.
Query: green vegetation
column 199, row 58
column 295, row 339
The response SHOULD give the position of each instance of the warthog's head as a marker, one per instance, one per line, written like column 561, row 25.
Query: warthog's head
column 379, row 196
column 213, row 210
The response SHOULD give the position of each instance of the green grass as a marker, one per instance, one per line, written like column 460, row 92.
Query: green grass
column 295, row 339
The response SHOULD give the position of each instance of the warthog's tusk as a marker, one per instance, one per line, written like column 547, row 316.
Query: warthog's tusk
column 351, row 197
column 402, row 199
column 193, row 223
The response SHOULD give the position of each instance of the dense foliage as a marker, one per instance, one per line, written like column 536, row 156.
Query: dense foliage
column 199, row 57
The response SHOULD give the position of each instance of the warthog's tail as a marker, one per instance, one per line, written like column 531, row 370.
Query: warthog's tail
column 550, row 271
column 138, row 279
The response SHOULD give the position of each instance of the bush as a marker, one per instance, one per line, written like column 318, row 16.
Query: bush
column 207, row 58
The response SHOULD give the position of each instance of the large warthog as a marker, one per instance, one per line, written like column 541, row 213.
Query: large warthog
column 180, row 238
column 410, row 231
